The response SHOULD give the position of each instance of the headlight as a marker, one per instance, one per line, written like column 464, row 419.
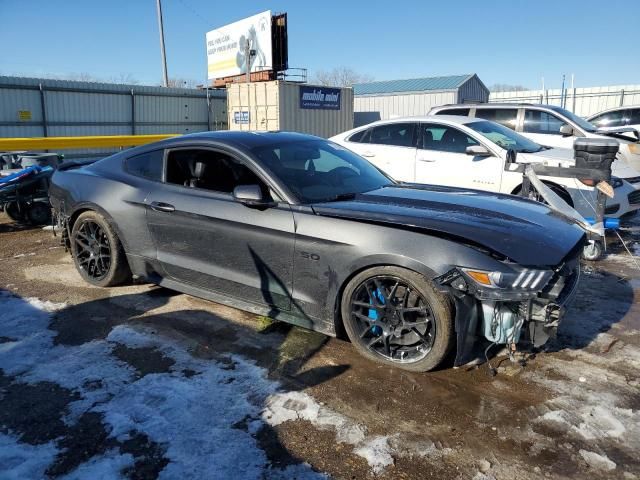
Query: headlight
column 634, row 148
column 519, row 284
column 525, row 279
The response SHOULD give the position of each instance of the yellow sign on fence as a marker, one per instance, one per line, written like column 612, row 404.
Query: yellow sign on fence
column 24, row 115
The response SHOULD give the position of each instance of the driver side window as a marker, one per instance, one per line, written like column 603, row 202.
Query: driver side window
column 537, row 121
column 208, row 170
column 442, row 138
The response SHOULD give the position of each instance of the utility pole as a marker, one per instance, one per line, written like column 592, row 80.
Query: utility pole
column 165, row 77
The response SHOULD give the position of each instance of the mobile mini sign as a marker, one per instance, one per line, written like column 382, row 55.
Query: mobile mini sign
column 227, row 46
column 320, row 98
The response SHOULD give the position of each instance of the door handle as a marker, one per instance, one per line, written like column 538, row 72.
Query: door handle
column 368, row 154
column 427, row 160
column 162, row 207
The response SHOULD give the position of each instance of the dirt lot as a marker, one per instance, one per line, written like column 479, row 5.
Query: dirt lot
column 142, row 382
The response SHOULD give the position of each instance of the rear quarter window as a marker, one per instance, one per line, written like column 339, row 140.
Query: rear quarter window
column 359, row 137
column 146, row 165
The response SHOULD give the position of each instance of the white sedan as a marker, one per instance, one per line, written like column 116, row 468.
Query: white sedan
column 471, row 153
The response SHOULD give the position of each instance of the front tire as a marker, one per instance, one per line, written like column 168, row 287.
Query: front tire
column 593, row 251
column 396, row 317
column 97, row 251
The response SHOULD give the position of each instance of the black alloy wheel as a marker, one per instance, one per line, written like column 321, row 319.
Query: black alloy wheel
column 93, row 250
column 393, row 320
column 395, row 316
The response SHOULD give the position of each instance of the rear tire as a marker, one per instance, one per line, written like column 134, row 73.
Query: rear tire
column 97, row 252
column 13, row 211
column 411, row 320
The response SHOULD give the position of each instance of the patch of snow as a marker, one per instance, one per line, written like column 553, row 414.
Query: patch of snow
column 597, row 461
column 195, row 418
column 377, row 453
column 105, row 467
column 21, row 460
column 282, row 407
column 48, row 228
column 483, row 476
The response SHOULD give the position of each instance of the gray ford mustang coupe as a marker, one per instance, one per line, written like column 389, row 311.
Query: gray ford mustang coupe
column 302, row 230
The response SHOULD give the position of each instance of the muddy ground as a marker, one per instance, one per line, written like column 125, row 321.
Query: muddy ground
column 571, row 412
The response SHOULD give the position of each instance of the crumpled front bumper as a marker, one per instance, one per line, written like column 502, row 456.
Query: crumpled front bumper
column 531, row 321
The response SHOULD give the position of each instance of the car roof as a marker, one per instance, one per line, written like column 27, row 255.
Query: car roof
column 495, row 104
column 427, row 118
column 249, row 139
column 235, row 139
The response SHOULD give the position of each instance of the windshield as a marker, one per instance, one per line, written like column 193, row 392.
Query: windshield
column 318, row 170
column 581, row 122
column 505, row 137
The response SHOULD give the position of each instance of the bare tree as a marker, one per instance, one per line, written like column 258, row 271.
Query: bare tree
column 340, row 77
column 505, row 87
column 124, row 79
column 179, row 82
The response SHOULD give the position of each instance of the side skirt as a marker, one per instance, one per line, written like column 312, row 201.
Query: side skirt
column 267, row 311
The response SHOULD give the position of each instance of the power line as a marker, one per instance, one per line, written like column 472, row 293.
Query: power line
column 194, row 12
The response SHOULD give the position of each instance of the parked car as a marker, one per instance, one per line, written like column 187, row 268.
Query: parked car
column 24, row 195
column 548, row 125
column 471, row 153
column 616, row 118
column 303, row 230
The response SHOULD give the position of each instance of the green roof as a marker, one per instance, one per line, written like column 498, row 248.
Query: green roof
column 451, row 82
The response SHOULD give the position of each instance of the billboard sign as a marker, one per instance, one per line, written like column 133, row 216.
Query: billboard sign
column 323, row 98
column 226, row 47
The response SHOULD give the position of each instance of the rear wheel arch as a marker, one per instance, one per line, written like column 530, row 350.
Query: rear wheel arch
column 90, row 207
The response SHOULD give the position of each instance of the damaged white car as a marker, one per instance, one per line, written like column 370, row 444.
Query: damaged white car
column 475, row 153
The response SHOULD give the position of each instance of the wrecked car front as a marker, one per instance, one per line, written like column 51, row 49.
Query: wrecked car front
column 514, row 268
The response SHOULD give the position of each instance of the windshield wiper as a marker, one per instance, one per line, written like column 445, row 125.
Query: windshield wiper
column 341, row 196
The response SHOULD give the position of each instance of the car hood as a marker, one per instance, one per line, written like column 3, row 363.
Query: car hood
column 554, row 157
column 527, row 232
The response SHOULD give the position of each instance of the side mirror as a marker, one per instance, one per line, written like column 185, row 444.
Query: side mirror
column 478, row 151
column 566, row 130
column 251, row 196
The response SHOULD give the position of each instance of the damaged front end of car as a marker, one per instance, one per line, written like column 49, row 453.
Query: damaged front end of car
column 517, row 307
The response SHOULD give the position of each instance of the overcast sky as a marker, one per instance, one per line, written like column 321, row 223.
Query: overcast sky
column 515, row 42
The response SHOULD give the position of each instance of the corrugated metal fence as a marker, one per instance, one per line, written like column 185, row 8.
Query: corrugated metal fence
column 581, row 101
column 31, row 107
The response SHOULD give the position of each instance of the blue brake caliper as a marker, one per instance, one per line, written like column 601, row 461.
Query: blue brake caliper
column 373, row 314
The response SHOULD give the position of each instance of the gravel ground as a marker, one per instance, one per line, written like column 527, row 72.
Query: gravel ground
column 142, row 382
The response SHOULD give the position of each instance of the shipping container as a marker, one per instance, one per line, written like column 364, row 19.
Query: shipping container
column 289, row 106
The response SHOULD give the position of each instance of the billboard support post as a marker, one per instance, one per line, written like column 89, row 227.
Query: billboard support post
column 165, row 76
